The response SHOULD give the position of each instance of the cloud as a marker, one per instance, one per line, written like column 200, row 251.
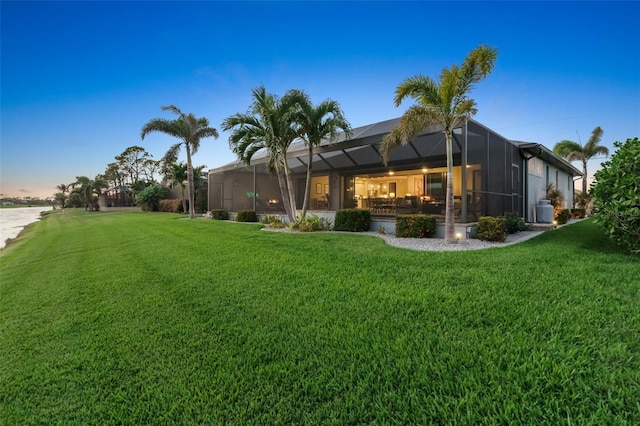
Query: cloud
column 24, row 191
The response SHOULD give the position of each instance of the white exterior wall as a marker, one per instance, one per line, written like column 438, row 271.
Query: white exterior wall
column 539, row 175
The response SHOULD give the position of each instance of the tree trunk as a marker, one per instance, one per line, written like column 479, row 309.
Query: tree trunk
column 307, row 188
column 584, row 177
column 289, row 183
column 189, row 181
column 284, row 192
column 184, row 200
column 449, row 218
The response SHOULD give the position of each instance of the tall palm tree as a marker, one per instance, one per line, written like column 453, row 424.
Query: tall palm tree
column 316, row 123
column 190, row 130
column 270, row 125
column 445, row 103
column 573, row 151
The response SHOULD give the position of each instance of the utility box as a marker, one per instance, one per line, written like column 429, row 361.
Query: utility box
column 544, row 212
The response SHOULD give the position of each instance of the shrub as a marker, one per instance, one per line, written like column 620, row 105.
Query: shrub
column 149, row 198
column 554, row 195
column 582, row 201
column 247, row 216
column 562, row 216
column 170, row 206
column 353, row 220
column 616, row 195
column 219, row 214
column 514, row 223
column 492, row 229
column 312, row 223
column 415, row 226
column 578, row 213
column 273, row 221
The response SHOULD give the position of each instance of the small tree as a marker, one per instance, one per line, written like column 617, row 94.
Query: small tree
column 149, row 198
column 616, row 195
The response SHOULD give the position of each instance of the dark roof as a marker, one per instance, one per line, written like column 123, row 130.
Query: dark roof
column 532, row 149
column 362, row 150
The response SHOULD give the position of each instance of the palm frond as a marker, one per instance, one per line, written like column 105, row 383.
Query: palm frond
column 172, row 153
column 173, row 109
column 591, row 148
column 162, row 125
column 567, row 148
column 414, row 120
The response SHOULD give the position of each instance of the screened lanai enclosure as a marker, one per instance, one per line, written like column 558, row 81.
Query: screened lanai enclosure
column 489, row 175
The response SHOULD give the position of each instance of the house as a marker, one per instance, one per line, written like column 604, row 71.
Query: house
column 492, row 175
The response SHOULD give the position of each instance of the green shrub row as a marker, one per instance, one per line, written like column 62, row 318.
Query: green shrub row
column 492, row 229
column 247, row 216
column 353, row 220
column 415, row 226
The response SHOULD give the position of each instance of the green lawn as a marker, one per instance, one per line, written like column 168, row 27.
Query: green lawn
column 143, row 318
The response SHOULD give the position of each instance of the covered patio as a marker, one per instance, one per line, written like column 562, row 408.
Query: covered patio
column 490, row 173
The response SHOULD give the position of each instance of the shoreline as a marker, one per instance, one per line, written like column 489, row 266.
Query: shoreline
column 14, row 220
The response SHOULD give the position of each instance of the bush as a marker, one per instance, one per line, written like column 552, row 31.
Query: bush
column 554, row 195
column 353, row 220
column 247, row 216
column 514, row 223
column 415, row 226
column 219, row 214
column 562, row 216
column 492, row 229
column 616, row 195
column 312, row 223
column 578, row 213
column 273, row 221
column 149, row 198
column 170, row 206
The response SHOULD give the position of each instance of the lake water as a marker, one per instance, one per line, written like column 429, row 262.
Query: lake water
column 13, row 220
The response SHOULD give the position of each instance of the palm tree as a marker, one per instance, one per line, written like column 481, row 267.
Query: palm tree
column 445, row 103
column 315, row 124
column 62, row 195
column 178, row 175
column 188, row 128
column 89, row 188
column 573, row 151
column 270, row 125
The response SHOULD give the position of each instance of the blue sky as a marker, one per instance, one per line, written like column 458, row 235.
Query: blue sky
column 80, row 79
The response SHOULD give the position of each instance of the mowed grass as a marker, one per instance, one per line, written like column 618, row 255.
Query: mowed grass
column 143, row 318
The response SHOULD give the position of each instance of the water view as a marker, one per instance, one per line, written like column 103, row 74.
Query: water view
column 13, row 220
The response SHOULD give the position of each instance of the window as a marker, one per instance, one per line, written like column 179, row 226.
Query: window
column 535, row 167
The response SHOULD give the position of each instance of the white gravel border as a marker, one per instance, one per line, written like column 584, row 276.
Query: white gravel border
column 434, row 244
column 437, row 244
